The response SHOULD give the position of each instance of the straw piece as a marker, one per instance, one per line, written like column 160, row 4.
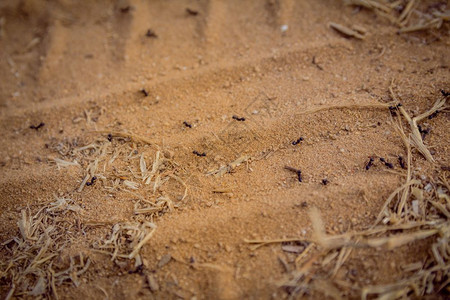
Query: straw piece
column 346, row 31
column 230, row 167
column 346, row 106
column 131, row 136
column 64, row 163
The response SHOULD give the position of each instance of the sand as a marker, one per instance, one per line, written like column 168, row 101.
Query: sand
column 232, row 81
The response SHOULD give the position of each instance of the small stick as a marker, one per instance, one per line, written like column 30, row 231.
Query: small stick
column 346, row 31
column 316, row 64
column 297, row 171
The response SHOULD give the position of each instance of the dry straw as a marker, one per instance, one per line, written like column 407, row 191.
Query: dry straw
column 114, row 163
column 410, row 214
column 409, row 19
column 32, row 266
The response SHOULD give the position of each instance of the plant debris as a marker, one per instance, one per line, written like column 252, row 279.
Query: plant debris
column 314, row 62
column 408, row 19
column 126, row 241
column 230, row 167
column 32, row 267
column 410, row 214
column 347, row 32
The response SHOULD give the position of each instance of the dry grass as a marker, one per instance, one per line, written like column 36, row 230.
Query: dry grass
column 408, row 15
column 115, row 163
column 121, row 164
column 409, row 214
column 34, row 265
column 126, row 241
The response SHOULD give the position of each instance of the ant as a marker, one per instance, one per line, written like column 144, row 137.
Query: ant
column 393, row 109
column 433, row 115
column 191, row 12
column 125, row 9
column 198, row 153
column 38, row 126
column 187, row 124
column 151, row 34
column 424, row 132
column 144, row 91
column 370, row 163
column 297, row 171
column 387, row 164
column 238, row 119
column 297, row 141
column 401, row 161
column 93, row 179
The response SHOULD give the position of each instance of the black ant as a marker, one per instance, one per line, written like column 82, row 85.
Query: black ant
column 297, row 171
column 393, row 109
column 433, row 115
column 151, row 34
column 187, row 124
column 387, row 164
column 125, row 9
column 198, row 153
column 445, row 93
column 424, row 132
column 109, row 137
column 401, row 161
column 370, row 163
column 325, row 181
column 191, row 12
column 38, row 126
column 93, row 179
column 144, row 91
column 297, row 141
column 238, row 119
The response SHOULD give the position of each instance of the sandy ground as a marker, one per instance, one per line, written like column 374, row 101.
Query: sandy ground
column 80, row 69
